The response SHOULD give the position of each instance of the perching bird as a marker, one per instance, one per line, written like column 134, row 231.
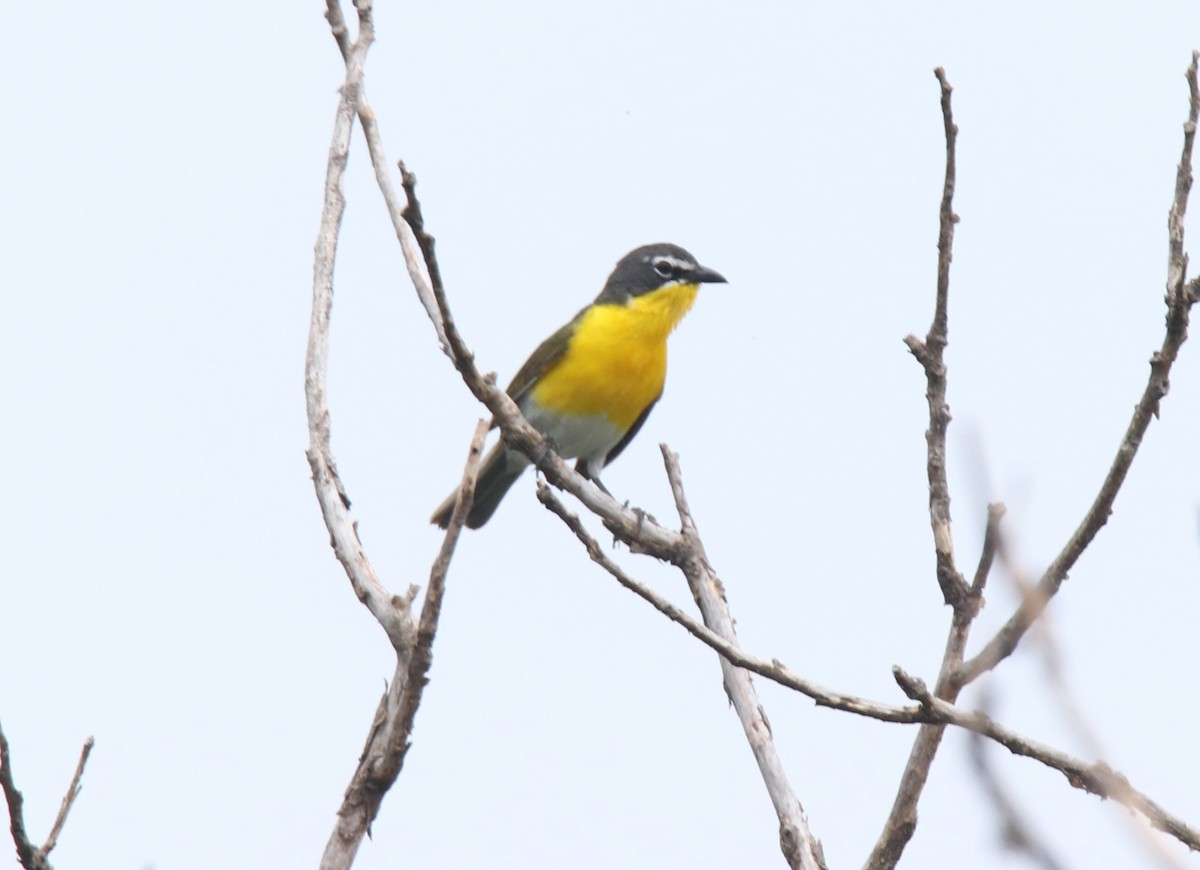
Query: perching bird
column 591, row 385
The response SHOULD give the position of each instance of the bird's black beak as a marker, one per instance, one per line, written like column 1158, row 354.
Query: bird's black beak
column 705, row 275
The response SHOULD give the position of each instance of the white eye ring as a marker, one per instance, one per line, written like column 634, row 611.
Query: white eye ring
column 664, row 268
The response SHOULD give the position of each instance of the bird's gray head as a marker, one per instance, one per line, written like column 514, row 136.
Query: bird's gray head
column 651, row 267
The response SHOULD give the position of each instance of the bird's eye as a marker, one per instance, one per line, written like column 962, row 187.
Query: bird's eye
column 663, row 268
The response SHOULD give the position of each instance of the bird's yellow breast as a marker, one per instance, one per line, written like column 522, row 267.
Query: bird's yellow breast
column 616, row 362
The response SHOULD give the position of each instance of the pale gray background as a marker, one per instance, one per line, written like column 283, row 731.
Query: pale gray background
column 165, row 580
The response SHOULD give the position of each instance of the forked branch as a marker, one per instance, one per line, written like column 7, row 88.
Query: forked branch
column 29, row 856
column 390, row 733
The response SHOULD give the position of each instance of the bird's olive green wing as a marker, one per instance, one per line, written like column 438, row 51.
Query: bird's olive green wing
column 633, row 430
column 542, row 360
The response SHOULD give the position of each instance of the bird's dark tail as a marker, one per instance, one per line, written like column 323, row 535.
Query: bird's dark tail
column 499, row 471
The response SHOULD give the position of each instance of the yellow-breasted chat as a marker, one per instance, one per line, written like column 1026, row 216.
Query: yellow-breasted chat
column 591, row 385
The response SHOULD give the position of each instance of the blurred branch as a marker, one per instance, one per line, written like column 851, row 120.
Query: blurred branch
column 991, row 544
column 1015, row 831
column 30, row 856
column 1181, row 295
column 1063, row 695
column 391, row 729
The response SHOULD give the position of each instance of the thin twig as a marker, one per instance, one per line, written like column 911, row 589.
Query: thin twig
column 331, row 493
column 1177, row 258
column 1180, row 298
column 379, row 163
column 431, row 609
column 930, row 353
column 902, row 820
column 991, row 543
column 68, row 800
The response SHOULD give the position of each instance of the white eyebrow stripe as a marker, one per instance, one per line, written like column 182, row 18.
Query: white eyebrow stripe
column 682, row 265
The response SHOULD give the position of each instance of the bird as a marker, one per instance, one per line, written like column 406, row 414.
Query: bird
column 591, row 385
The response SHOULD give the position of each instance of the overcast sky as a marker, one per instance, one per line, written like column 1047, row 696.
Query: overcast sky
column 166, row 582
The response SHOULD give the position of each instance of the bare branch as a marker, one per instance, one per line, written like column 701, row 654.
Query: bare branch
column 389, row 737
column 1180, row 298
column 902, row 820
column 378, row 766
column 396, row 620
column 68, row 800
column 930, row 354
column 29, row 856
column 1177, row 258
column 431, row 610
column 26, row 851
column 413, row 259
column 391, row 730
column 337, row 26
column 800, row 847
column 393, row 614
column 991, row 540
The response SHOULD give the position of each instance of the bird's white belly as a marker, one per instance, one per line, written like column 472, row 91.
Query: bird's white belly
column 588, row 437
